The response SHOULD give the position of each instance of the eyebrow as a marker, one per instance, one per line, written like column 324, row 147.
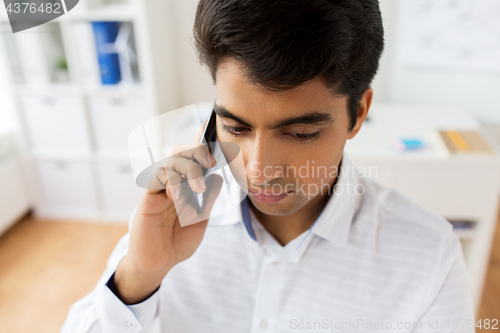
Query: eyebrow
column 310, row 118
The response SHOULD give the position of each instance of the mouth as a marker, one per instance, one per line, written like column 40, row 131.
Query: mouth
column 268, row 197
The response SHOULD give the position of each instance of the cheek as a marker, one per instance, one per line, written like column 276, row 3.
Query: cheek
column 318, row 168
column 320, row 158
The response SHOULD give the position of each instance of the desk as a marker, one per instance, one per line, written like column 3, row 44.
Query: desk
column 461, row 188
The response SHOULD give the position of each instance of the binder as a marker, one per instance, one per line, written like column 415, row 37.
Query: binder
column 105, row 36
column 87, row 54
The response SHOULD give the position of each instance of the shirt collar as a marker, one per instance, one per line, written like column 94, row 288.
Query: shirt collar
column 334, row 222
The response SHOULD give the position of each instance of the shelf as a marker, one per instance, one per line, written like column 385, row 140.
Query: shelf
column 465, row 234
column 112, row 157
column 90, row 156
column 59, row 156
column 464, row 228
column 391, row 121
column 65, row 89
column 52, row 89
column 116, row 90
column 103, row 13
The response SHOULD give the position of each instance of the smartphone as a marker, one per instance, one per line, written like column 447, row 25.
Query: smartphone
column 208, row 138
column 210, row 131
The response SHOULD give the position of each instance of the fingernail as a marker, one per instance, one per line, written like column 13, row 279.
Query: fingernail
column 210, row 159
column 201, row 183
column 176, row 191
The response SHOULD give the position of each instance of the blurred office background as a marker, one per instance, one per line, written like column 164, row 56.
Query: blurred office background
column 74, row 88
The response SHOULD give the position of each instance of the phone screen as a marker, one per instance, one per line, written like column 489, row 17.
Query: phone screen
column 210, row 132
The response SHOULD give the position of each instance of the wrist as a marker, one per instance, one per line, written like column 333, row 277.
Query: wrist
column 132, row 286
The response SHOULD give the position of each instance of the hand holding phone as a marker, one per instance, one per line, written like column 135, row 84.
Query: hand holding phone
column 161, row 235
column 192, row 162
column 188, row 168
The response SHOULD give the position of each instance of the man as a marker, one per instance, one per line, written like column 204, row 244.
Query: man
column 325, row 251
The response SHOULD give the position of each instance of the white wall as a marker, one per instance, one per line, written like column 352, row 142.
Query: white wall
column 381, row 83
column 475, row 91
column 195, row 81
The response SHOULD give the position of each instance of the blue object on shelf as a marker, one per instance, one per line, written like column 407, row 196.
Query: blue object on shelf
column 105, row 36
column 405, row 144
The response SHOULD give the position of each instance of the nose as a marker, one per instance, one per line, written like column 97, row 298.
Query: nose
column 263, row 162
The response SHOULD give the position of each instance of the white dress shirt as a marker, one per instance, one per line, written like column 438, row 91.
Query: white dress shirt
column 373, row 261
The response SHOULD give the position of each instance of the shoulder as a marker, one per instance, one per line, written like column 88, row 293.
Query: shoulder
column 407, row 241
column 402, row 234
column 394, row 208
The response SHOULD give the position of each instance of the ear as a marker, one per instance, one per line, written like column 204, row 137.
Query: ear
column 364, row 107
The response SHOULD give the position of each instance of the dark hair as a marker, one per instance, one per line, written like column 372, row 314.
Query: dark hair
column 284, row 43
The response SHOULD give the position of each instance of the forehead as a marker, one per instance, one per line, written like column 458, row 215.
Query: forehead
column 240, row 96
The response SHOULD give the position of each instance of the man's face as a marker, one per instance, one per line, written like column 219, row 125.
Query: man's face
column 296, row 162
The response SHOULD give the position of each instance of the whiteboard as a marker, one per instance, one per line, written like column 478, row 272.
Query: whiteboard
column 449, row 34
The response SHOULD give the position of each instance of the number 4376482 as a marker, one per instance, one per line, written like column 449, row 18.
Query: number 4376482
column 27, row 7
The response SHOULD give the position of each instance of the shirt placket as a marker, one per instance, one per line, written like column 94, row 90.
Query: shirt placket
column 269, row 295
column 271, row 285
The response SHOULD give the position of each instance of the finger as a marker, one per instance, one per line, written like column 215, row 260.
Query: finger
column 189, row 169
column 200, row 132
column 171, row 181
column 196, row 151
column 200, row 154
column 156, row 184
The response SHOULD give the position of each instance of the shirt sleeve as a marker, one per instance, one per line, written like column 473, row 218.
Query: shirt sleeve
column 450, row 305
column 102, row 311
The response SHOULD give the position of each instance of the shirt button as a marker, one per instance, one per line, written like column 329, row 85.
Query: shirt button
column 275, row 263
column 263, row 324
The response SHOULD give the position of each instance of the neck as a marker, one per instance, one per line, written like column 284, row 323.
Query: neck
column 286, row 228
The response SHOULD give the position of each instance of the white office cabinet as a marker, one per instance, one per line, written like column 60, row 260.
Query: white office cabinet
column 75, row 128
column 119, row 193
column 112, row 119
column 454, row 196
column 66, row 188
column 55, row 123
column 14, row 200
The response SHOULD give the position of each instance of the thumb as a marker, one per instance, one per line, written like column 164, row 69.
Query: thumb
column 186, row 213
column 214, row 185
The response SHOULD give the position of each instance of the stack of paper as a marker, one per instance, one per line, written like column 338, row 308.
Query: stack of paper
column 464, row 142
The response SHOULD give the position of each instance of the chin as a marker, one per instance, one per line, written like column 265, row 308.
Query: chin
column 278, row 209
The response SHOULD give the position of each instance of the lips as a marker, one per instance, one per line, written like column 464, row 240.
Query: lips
column 267, row 193
column 268, row 197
